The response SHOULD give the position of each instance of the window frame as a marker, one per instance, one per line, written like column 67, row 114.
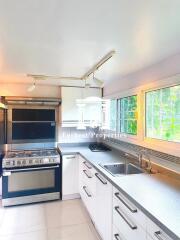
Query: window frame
column 145, row 113
column 151, row 139
column 119, row 122
column 168, row 147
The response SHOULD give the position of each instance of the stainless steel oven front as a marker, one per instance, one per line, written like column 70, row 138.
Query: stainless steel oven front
column 32, row 184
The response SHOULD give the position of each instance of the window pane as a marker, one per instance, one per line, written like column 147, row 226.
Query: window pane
column 112, row 114
column 127, row 110
column 163, row 114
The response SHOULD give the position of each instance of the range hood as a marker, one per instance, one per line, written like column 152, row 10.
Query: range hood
column 33, row 101
column 2, row 103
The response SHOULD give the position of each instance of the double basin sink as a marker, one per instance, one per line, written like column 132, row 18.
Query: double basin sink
column 122, row 169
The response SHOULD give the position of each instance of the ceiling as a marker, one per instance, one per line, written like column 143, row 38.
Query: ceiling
column 66, row 37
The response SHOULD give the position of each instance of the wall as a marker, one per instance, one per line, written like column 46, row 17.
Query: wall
column 73, row 135
column 163, row 69
column 10, row 89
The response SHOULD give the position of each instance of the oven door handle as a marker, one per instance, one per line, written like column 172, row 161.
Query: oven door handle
column 8, row 172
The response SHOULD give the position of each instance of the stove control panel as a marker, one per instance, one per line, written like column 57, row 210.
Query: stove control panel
column 11, row 163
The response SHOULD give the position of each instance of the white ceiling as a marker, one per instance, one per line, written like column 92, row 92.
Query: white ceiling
column 67, row 37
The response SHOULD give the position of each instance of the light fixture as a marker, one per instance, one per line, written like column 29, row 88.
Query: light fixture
column 97, row 81
column 2, row 103
column 99, row 64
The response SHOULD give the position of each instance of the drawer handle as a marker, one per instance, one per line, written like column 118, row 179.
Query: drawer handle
column 87, row 165
column 102, row 180
column 72, row 157
column 85, row 189
column 117, row 236
column 158, row 235
column 131, row 225
column 132, row 209
column 86, row 174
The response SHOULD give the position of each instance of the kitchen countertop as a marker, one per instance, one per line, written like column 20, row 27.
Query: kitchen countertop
column 157, row 195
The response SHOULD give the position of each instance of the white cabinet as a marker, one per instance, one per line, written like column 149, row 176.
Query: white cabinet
column 72, row 113
column 0, row 187
column 70, row 179
column 155, row 233
column 114, row 215
column 103, row 206
column 69, row 108
column 117, row 235
column 129, row 220
column 87, row 187
column 96, row 193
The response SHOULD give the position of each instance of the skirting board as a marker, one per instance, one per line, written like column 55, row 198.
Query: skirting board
column 71, row 196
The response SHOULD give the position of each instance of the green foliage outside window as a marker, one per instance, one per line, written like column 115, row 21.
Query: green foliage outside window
column 128, row 115
column 163, row 114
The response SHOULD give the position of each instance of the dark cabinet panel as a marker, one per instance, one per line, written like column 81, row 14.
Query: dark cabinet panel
column 33, row 115
column 29, row 131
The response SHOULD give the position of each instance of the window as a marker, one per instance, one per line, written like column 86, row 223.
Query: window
column 113, row 114
column 163, row 114
column 128, row 115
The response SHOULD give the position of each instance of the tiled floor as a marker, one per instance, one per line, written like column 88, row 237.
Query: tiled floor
column 57, row 220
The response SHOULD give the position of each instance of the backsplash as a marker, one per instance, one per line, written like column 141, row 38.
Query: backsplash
column 134, row 149
column 74, row 135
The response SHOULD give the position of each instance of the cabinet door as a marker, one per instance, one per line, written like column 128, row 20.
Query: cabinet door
column 103, row 206
column 72, row 114
column 93, row 110
column 117, row 235
column 87, row 186
column 69, row 109
column 70, row 175
column 155, row 232
column 0, row 187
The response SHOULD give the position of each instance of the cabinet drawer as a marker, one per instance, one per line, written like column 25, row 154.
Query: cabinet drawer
column 129, row 229
column 155, row 232
column 88, row 177
column 117, row 235
column 88, row 200
column 133, row 213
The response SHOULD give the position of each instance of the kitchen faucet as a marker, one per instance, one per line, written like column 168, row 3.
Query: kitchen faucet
column 140, row 159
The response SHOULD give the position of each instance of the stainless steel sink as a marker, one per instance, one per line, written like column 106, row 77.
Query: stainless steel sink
column 122, row 168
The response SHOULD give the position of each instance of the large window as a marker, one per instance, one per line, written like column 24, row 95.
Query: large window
column 128, row 115
column 163, row 114
column 111, row 114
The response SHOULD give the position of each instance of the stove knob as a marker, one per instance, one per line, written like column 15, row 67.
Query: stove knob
column 36, row 161
column 18, row 162
column 24, row 162
column 7, row 163
column 46, row 160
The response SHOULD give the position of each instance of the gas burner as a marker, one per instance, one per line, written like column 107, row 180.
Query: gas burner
column 30, row 158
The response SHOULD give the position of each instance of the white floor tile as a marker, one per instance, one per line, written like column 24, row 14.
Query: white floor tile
column 75, row 232
column 2, row 212
column 65, row 213
column 58, row 220
column 23, row 219
column 38, row 235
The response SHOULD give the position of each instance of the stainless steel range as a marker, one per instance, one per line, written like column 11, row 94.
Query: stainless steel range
column 31, row 176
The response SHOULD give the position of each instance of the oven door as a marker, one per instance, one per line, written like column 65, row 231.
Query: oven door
column 31, row 181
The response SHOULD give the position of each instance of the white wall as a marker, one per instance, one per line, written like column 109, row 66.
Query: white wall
column 164, row 69
column 73, row 135
column 10, row 89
